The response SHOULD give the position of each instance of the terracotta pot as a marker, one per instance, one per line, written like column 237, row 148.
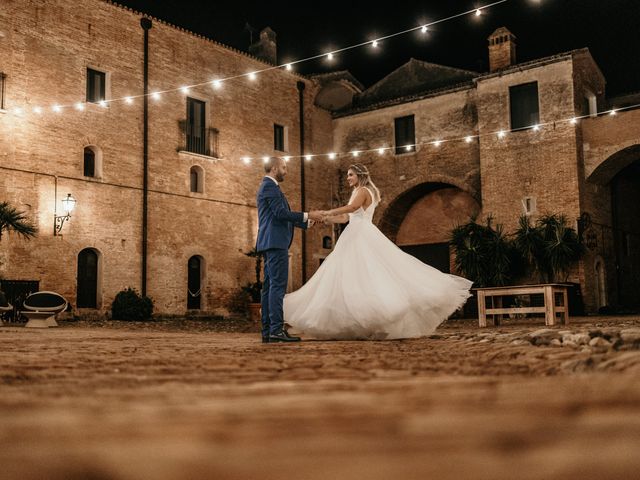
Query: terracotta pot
column 255, row 312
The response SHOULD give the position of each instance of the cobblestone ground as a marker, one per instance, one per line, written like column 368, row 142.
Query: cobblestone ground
column 173, row 401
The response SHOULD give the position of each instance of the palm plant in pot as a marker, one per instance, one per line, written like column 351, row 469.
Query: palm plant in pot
column 254, row 289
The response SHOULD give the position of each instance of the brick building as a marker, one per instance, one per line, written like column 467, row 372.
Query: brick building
column 183, row 222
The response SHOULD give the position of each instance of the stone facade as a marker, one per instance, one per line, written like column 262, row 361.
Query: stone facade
column 562, row 168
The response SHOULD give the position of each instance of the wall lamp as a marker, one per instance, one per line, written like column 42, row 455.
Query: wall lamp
column 68, row 204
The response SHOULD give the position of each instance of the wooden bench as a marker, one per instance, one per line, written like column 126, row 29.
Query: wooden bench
column 548, row 290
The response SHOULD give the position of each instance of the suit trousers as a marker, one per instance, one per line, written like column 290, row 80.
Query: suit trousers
column 276, row 273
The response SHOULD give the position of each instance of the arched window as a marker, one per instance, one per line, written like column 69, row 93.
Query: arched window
column 194, row 282
column 196, row 179
column 87, row 286
column 89, row 162
column 92, row 165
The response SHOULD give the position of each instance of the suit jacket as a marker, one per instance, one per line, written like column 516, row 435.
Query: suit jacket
column 275, row 218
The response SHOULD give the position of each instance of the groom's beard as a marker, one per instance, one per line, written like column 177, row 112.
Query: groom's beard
column 279, row 177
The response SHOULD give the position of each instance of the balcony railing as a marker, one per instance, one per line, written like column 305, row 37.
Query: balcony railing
column 203, row 142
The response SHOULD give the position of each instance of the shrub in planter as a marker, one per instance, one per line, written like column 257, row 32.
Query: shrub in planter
column 130, row 305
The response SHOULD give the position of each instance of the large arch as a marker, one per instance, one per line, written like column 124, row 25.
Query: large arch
column 420, row 220
column 399, row 207
column 612, row 165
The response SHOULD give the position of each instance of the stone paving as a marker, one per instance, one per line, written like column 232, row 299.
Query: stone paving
column 172, row 401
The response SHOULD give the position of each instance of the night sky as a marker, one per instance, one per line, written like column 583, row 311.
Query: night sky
column 609, row 28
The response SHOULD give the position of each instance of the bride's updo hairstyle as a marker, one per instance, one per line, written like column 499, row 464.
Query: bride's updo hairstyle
column 364, row 179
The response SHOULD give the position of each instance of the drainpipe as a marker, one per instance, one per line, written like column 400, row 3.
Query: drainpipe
column 145, row 23
column 303, row 202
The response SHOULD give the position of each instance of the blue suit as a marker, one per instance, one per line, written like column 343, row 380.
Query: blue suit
column 275, row 234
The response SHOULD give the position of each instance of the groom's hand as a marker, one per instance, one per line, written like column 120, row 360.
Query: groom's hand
column 316, row 216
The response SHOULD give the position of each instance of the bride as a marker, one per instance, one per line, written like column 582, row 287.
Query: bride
column 368, row 288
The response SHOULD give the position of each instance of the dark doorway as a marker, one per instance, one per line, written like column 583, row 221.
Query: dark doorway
column 434, row 254
column 87, row 278
column 625, row 197
column 193, row 283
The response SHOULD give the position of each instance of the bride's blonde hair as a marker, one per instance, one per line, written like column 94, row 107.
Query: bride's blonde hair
column 364, row 179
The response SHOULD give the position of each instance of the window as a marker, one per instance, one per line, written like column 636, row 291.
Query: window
column 589, row 104
column 529, row 205
column 279, row 138
column 89, row 162
column 2, row 86
column 523, row 99
column 405, row 134
column 194, row 282
column 196, row 177
column 96, row 86
column 195, row 128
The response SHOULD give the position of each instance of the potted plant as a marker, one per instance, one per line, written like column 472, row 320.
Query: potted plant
column 254, row 289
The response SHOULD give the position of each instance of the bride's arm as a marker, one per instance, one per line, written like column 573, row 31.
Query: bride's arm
column 343, row 218
column 357, row 202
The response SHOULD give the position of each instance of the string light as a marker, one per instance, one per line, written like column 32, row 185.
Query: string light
column 329, row 56
column 437, row 143
column 408, row 148
column 478, row 12
column 501, row 134
column 355, row 153
column 102, row 103
column 468, row 139
column 128, row 100
column 37, row 110
column 536, row 128
column 80, row 106
column 265, row 159
column 308, row 157
column 56, row 108
column 573, row 121
column 332, row 156
column 381, row 151
column 246, row 160
column 613, row 112
column 216, row 84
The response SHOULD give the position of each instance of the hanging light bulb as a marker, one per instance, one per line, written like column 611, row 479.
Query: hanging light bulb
column 265, row 159
column 573, row 121
column 102, row 103
column 252, row 76
column 128, row 100
column 286, row 158
column 501, row 134
column 381, row 151
column 424, row 29
column 374, row 44
column 37, row 110
column 80, row 106
column 478, row 12
column 468, row 139
column 216, row 84
column 308, row 157
column 246, row 160
column 184, row 90
column 329, row 56
column 332, row 156
column 437, row 143
column 56, row 108
column 155, row 96
column 355, row 153
column 288, row 66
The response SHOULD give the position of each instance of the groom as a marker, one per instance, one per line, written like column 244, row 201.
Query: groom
column 275, row 234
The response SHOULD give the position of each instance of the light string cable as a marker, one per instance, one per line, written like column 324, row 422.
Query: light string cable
column 218, row 82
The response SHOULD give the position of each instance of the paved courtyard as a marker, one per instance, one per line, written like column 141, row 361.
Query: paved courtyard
column 166, row 401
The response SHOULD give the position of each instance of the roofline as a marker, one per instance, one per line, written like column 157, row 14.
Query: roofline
column 469, row 84
column 198, row 35
column 406, row 99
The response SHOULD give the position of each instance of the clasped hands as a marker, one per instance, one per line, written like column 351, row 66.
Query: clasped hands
column 318, row 216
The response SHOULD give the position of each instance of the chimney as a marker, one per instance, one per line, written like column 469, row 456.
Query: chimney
column 502, row 49
column 265, row 48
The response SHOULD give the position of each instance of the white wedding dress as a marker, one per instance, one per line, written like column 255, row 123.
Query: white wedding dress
column 368, row 288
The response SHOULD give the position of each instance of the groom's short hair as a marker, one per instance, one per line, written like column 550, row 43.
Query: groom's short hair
column 270, row 163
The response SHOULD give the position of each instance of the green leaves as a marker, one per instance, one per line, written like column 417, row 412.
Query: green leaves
column 490, row 257
column 12, row 220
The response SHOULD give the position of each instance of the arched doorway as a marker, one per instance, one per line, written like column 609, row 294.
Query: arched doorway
column 420, row 221
column 87, row 279
column 194, row 283
column 625, row 218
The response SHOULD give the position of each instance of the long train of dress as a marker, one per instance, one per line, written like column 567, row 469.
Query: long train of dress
column 368, row 288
